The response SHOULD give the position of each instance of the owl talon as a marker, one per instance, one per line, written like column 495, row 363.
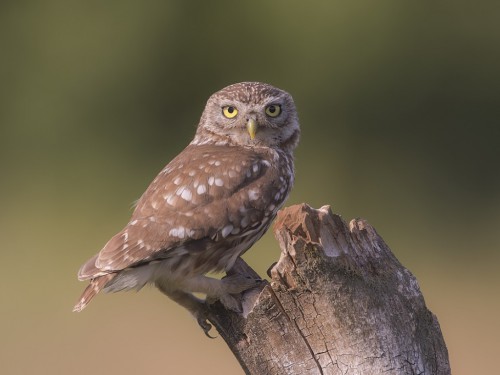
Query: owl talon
column 205, row 326
column 201, row 317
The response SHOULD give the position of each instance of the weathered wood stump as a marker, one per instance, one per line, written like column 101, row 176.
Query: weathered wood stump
column 339, row 303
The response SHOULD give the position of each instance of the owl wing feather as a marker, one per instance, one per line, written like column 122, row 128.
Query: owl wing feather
column 206, row 192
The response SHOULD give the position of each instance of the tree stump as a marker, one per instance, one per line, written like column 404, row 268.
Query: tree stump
column 339, row 303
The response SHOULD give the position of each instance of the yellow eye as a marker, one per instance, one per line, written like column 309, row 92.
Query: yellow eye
column 273, row 110
column 229, row 111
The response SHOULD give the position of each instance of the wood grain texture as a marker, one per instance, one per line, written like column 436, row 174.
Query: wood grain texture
column 339, row 302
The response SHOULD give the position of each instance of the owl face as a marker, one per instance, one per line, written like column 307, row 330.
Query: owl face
column 249, row 114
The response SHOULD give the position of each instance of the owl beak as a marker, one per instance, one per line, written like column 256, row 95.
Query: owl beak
column 252, row 128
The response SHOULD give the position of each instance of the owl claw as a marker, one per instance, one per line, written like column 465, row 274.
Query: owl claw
column 205, row 326
column 201, row 317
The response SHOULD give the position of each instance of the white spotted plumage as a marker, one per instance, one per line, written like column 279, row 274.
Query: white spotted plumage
column 208, row 205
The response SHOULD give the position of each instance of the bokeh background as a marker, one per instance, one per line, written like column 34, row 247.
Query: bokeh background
column 399, row 106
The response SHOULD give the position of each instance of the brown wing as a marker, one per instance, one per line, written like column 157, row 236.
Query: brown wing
column 205, row 192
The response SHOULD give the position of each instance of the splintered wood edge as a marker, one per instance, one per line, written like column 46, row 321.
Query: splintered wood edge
column 303, row 220
column 328, row 231
column 355, row 246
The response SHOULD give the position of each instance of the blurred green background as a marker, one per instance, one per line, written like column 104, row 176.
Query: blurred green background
column 399, row 106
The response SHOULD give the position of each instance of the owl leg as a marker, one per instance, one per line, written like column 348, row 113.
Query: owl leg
column 194, row 305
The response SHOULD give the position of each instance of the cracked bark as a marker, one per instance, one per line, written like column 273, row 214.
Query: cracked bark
column 339, row 302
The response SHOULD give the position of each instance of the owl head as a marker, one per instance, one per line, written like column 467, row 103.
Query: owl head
column 250, row 114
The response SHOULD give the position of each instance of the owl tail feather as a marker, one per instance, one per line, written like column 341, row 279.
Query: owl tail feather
column 92, row 289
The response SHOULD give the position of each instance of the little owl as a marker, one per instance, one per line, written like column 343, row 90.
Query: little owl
column 208, row 206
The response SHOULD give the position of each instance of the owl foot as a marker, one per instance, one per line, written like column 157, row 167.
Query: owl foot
column 238, row 283
column 202, row 319
column 232, row 286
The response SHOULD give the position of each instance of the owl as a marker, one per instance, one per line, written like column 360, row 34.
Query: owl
column 208, row 206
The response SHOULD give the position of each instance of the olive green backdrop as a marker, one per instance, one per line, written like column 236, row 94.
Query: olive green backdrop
column 399, row 106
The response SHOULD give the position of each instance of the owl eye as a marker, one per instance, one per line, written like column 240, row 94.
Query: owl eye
column 273, row 110
column 229, row 111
